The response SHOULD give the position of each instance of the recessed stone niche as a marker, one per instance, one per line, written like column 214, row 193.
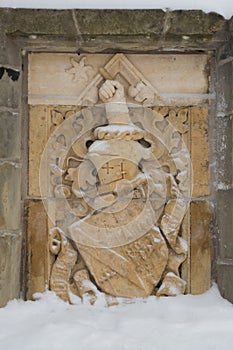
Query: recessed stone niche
column 115, row 153
column 118, row 174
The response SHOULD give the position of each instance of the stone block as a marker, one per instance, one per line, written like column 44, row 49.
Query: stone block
column 38, row 134
column 179, row 80
column 225, row 87
column 200, row 151
column 10, row 195
column 10, row 135
column 231, row 24
column 185, row 234
column 10, row 257
column 29, row 21
column 9, row 88
column 225, row 280
column 110, row 22
column 10, row 55
column 225, row 223
column 116, row 22
column 193, row 22
column 201, row 249
column 10, row 52
column 224, row 152
column 37, row 248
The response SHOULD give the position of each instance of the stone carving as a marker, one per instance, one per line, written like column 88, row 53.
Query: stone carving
column 79, row 70
column 125, row 179
column 139, row 90
column 61, row 270
column 180, row 81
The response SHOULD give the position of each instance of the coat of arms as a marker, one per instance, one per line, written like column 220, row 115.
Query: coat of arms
column 126, row 192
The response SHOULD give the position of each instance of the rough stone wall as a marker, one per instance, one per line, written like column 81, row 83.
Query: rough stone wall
column 149, row 31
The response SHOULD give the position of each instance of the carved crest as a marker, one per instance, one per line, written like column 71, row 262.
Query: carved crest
column 125, row 172
column 140, row 89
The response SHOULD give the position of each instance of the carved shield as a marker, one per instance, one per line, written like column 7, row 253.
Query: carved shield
column 130, row 270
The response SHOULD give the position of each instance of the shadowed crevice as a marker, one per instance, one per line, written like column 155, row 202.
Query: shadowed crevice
column 12, row 73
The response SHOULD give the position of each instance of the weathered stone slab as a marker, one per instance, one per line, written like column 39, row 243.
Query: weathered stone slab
column 179, row 80
column 224, row 174
column 29, row 21
column 201, row 218
column 117, row 22
column 111, row 22
column 224, row 150
column 38, row 134
column 10, row 182
column 225, row 280
column 200, row 151
column 43, row 120
column 148, row 22
column 9, row 89
column 193, row 22
column 225, row 96
column 10, row 256
column 225, row 223
column 186, row 266
column 10, row 135
column 37, row 248
column 231, row 24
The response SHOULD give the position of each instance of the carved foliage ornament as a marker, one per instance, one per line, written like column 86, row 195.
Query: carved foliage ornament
column 120, row 174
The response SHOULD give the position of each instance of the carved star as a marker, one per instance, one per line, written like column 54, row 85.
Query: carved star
column 79, row 70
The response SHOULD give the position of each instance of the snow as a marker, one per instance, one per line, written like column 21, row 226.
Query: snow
column 223, row 7
column 202, row 322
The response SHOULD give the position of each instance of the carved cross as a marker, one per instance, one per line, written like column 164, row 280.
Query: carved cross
column 107, row 167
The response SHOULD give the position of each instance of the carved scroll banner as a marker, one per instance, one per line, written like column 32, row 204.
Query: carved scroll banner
column 115, row 178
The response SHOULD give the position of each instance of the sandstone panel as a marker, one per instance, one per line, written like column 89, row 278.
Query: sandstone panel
column 201, row 248
column 10, row 256
column 200, row 151
column 10, row 206
column 180, row 80
column 37, row 248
